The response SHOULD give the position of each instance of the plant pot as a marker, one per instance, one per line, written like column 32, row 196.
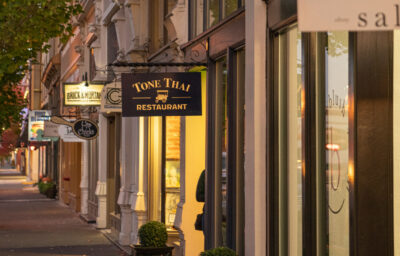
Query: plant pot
column 51, row 192
column 138, row 250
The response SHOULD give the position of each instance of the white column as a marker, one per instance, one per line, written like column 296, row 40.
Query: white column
column 255, row 129
column 101, row 189
column 85, row 178
column 129, row 145
column 139, row 179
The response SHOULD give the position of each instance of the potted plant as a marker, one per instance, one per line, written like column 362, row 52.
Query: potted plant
column 47, row 187
column 153, row 237
column 220, row 251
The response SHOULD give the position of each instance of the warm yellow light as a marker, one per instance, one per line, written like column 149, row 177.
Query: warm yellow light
column 351, row 172
column 32, row 148
column 334, row 147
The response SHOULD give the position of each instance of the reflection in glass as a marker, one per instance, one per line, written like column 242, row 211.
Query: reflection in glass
column 290, row 143
column 213, row 12
column 222, row 67
column 337, row 143
column 172, row 168
column 229, row 7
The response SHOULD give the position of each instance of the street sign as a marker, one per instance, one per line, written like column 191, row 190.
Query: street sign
column 350, row 15
column 83, row 128
column 161, row 94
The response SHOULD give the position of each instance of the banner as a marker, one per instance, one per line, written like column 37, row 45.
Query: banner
column 161, row 94
column 353, row 15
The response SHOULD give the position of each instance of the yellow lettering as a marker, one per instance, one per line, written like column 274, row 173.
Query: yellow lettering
column 136, row 85
column 182, row 87
column 167, row 80
column 169, row 106
column 187, row 88
column 151, row 84
column 157, row 83
column 144, row 86
column 174, row 107
column 175, row 84
column 138, row 107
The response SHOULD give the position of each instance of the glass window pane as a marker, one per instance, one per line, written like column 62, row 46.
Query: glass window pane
column 222, row 83
column 172, row 168
column 337, row 142
column 229, row 7
column 290, row 144
column 213, row 12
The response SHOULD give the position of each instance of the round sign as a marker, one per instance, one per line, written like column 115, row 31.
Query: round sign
column 85, row 129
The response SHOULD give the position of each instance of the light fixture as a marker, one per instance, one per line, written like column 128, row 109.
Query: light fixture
column 84, row 78
column 32, row 148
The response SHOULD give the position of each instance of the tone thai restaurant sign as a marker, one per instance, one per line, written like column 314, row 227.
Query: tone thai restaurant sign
column 161, row 94
column 353, row 15
column 36, row 124
column 81, row 95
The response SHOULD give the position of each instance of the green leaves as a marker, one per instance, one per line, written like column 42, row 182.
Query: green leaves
column 25, row 28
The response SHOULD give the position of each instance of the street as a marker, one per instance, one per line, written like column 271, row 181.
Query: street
column 31, row 224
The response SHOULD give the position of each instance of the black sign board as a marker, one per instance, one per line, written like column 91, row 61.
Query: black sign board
column 83, row 128
column 161, row 94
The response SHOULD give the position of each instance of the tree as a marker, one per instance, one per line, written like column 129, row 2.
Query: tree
column 25, row 27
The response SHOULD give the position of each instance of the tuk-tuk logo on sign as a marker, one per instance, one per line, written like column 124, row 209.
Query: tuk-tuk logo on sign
column 161, row 94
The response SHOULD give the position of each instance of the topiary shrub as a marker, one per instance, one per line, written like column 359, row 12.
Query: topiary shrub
column 153, row 234
column 220, row 251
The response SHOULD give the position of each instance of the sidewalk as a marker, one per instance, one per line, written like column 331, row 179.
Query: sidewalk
column 32, row 225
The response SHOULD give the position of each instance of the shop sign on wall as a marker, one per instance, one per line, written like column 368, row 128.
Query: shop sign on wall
column 81, row 95
column 36, row 124
column 111, row 98
column 353, row 15
column 161, row 94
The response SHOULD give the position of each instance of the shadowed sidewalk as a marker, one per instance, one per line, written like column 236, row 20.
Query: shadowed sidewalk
column 31, row 224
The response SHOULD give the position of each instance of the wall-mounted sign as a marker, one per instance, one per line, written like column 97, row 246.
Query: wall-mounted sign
column 317, row 15
column 51, row 130
column 83, row 128
column 81, row 95
column 111, row 98
column 67, row 134
column 36, row 124
column 161, row 94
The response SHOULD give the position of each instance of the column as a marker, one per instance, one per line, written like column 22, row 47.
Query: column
column 101, row 188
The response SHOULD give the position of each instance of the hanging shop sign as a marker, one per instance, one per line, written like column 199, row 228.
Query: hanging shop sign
column 67, row 134
column 317, row 15
column 82, row 95
column 51, row 130
column 84, row 129
column 161, row 94
column 111, row 98
column 36, row 124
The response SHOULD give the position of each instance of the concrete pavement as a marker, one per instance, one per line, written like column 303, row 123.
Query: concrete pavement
column 32, row 225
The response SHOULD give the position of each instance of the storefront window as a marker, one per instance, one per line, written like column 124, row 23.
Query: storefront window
column 172, row 168
column 337, row 142
column 222, row 70
column 288, row 83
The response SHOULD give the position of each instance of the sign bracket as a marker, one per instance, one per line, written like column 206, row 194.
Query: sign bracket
column 157, row 64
